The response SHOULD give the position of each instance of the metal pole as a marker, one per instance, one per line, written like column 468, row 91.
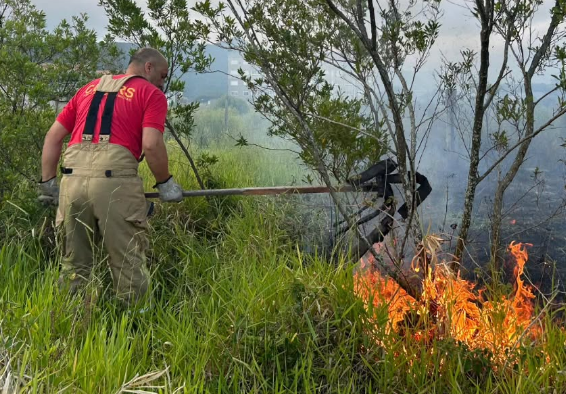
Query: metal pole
column 269, row 191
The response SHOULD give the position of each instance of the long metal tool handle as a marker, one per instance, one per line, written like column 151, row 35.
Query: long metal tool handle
column 268, row 191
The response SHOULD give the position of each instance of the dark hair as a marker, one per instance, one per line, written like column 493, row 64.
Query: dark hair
column 146, row 55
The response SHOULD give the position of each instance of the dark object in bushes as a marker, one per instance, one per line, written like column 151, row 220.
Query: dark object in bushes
column 383, row 175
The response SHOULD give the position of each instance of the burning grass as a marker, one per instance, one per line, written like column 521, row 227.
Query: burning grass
column 452, row 308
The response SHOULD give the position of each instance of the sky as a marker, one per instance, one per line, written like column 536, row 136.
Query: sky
column 459, row 28
column 56, row 10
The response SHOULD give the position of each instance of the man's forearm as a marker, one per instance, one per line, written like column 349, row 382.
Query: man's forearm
column 50, row 157
column 52, row 150
column 155, row 151
column 158, row 163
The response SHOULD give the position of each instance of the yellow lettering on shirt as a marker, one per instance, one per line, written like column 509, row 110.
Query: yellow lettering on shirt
column 126, row 93
column 91, row 89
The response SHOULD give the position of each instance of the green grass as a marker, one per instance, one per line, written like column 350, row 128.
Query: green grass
column 236, row 308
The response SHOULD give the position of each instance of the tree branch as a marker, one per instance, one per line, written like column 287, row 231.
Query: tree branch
column 372, row 25
column 518, row 143
column 186, row 152
column 557, row 17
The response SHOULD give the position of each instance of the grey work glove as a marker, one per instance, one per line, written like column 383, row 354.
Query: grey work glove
column 169, row 191
column 48, row 192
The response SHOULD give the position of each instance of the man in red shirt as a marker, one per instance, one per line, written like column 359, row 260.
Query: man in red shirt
column 111, row 121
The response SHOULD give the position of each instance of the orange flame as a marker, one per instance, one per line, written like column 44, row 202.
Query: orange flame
column 449, row 307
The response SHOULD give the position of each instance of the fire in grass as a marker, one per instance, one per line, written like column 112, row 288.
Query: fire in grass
column 450, row 307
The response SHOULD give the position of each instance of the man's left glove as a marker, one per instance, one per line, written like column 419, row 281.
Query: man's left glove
column 169, row 190
column 49, row 192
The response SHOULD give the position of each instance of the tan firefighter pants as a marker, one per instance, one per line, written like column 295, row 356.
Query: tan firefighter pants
column 102, row 199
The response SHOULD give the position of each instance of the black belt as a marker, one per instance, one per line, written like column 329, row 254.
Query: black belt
column 107, row 173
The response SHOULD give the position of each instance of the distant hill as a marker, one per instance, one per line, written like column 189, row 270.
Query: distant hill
column 198, row 87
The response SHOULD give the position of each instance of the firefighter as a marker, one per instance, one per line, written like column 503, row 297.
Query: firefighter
column 111, row 120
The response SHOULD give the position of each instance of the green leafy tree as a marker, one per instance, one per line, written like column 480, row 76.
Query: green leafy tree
column 287, row 42
column 40, row 70
column 295, row 44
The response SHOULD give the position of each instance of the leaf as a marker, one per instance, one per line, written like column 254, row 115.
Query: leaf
column 142, row 382
column 242, row 141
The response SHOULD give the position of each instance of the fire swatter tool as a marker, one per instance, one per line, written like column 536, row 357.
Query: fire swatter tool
column 377, row 179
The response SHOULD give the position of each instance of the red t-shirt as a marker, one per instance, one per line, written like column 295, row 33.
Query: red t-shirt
column 139, row 104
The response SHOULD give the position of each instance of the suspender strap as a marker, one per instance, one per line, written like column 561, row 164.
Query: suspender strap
column 110, row 87
column 106, row 123
column 90, row 123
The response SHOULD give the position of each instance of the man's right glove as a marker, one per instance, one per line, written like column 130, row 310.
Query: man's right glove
column 49, row 192
column 169, row 190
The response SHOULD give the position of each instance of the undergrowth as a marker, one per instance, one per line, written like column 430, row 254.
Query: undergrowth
column 236, row 306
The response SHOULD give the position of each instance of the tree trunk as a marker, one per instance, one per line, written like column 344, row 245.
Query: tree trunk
column 404, row 158
column 476, row 137
column 512, row 172
column 186, row 152
column 484, row 11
